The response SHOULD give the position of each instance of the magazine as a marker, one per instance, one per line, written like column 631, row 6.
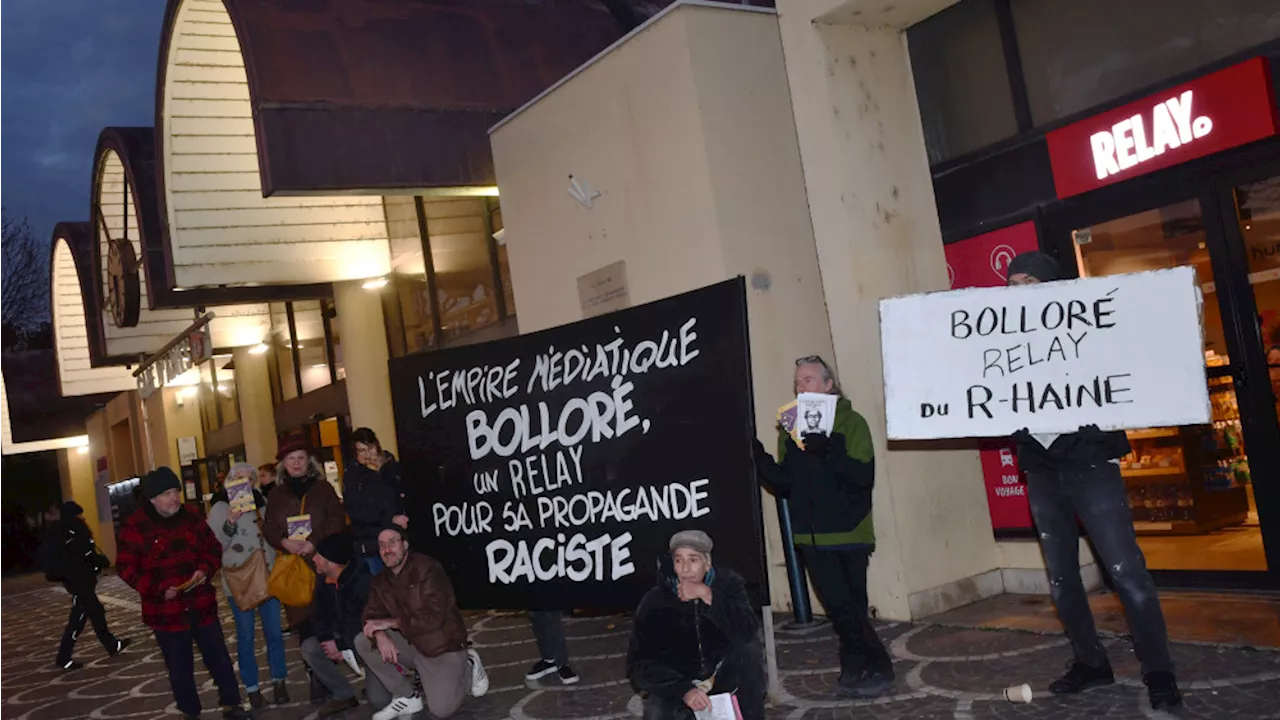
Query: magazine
column 299, row 526
column 240, row 495
column 723, row 707
column 787, row 420
column 815, row 413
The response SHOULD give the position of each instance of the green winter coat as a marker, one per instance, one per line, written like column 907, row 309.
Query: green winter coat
column 829, row 498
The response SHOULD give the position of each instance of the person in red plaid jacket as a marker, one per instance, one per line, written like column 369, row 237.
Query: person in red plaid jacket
column 168, row 554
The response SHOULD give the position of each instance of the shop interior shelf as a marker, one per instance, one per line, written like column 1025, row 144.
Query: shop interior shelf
column 1152, row 433
column 1154, row 472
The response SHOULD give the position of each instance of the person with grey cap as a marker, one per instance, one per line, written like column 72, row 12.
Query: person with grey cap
column 1077, row 475
column 240, row 533
column 73, row 559
column 695, row 635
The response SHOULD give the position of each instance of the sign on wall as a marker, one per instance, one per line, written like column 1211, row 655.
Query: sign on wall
column 193, row 349
column 983, row 261
column 549, row 470
column 188, row 450
column 1121, row 352
column 604, row 290
column 1222, row 110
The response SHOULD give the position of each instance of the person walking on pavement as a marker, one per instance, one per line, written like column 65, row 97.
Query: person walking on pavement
column 412, row 621
column 829, row 485
column 373, row 497
column 1077, row 475
column 337, row 617
column 301, row 489
column 75, row 560
column 168, row 554
column 240, row 533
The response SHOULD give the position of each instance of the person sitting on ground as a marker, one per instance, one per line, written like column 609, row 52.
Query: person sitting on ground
column 72, row 558
column 342, row 591
column 372, row 494
column 695, row 634
column 412, row 620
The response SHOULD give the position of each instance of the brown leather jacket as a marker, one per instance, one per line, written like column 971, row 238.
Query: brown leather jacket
column 420, row 599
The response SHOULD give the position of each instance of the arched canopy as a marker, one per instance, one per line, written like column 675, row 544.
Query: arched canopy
column 79, row 345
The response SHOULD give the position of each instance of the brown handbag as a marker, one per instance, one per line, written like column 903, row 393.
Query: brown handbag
column 248, row 580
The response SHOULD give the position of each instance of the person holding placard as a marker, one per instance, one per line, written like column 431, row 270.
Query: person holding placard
column 1078, row 475
column 829, row 482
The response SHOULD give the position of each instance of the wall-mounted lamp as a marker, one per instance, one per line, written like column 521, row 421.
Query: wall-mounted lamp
column 500, row 237
column 258, row 349
column 82, row 450
column 375, row 283
column 581, row 191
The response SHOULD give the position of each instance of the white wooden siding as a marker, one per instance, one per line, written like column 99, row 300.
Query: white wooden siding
column 221, row 229
column 70, row 334
column 457, row 232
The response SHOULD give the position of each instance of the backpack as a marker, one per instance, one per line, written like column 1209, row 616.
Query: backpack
column 51, row 556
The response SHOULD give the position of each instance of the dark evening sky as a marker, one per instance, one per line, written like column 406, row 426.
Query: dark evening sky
column 69, row 68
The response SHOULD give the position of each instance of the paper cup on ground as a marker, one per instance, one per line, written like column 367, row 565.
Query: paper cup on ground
column 1018, row 693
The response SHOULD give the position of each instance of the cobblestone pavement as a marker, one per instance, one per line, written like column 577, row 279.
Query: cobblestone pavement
column 943, row 672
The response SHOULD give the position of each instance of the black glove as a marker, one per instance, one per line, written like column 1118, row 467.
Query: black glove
column 1090, row 432
column 1023, row 436
column 817, row 444
column 761, row 455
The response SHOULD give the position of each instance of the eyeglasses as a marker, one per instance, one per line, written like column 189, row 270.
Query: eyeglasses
column 811, row 360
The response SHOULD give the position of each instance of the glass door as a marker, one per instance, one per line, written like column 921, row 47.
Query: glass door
column 1189, row 487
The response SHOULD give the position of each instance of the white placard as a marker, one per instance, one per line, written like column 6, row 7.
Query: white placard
column 1124, row 351
column 188, row 451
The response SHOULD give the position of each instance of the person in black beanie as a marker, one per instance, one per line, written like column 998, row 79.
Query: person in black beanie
column 75, row 560
column 1078, row 474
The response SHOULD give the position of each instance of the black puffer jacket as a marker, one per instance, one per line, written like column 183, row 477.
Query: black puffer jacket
column 372, row 499
column 71, row 555
column 338, row 610
column 674, row 644
column 1071, row 452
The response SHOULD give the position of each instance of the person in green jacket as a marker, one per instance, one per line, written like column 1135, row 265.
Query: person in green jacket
column 828, row 484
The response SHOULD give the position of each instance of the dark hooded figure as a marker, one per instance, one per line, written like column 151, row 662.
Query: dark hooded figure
column 1078, row 475
column 74, row 559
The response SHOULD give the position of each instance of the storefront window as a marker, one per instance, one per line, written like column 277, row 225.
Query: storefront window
column 313, row 358
column 464, row 276
column 1258, row 211
column 335, row 339
column 282, row 350
column 219, row 405
column 962, row 85
column 1079, row 54
column 1188, row 486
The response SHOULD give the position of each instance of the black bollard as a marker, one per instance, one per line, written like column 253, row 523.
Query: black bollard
column 795, row 573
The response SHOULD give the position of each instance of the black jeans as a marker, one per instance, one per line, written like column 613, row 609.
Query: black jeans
column 1099, row 498
column 179, row 659
column 85, row 605
column 548, row 628
column 741, row 672
column 840, row 579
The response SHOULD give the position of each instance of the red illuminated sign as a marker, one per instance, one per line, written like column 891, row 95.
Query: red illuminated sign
column 983, row 261
column 1222, row 110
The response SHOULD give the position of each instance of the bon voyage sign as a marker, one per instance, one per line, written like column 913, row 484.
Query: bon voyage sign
column 549, row 470
column 1122, row 351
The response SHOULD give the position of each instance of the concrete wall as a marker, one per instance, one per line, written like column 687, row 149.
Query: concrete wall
column 686, row 130
column 877, row 235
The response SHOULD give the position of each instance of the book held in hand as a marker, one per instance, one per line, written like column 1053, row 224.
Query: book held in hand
column 240, row 494
column 299, row 526
column 815, row 413
column 787, row 420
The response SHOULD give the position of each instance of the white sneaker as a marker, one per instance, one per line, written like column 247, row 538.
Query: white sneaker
column 400, row 707
column 479, row 678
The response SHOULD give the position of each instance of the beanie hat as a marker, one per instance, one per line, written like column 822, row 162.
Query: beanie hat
column 70, row 509
column 694, row 539
column 158, row 481
column 336, row 548
column 1036, row 264
column 293, row 442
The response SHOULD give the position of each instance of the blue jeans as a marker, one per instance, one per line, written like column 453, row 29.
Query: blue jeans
column 1098, row 497
column 269, row 611
column 374, row 562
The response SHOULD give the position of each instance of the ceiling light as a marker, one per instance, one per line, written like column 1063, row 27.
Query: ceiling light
column 258, row 349
column 82, row 450
column 375, row 283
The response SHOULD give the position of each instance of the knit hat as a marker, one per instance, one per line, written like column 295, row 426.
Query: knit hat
column 694, row 539
column 293, row 442
column 1036, row 264
column 404, row 534
column 159, row 481
column 336, row 549
column 71, row 509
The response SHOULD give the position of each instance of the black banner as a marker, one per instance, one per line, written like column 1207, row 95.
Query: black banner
column 549, row 470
